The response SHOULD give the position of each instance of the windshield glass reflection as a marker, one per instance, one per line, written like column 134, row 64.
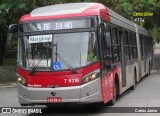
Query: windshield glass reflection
column 58, row 52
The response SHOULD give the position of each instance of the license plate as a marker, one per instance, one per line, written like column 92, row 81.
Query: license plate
column 54, row 100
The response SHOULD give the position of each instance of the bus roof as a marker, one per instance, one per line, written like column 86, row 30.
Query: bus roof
column 68, row 10
column 61, row 9
column 64, row 11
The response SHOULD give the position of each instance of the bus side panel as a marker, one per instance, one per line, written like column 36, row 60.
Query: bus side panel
column 107, row 84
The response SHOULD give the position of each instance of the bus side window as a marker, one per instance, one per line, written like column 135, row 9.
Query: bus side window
column 141, row 46
column 108, row 54
column 130, row 41
column 134, row 46
column 126, row 45
column 115, row 44
column 108, row 47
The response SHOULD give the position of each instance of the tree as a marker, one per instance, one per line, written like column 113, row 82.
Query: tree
column 155, row 31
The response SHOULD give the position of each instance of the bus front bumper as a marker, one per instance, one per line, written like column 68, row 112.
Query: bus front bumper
column 87, row 93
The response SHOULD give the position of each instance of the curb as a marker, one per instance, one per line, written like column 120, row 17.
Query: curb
column 8, row 85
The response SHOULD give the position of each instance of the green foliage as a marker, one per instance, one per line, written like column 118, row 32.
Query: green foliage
column 127, row 9
column 156, row 32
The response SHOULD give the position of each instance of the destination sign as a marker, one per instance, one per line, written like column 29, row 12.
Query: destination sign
column 55, row 25
column 40, row 38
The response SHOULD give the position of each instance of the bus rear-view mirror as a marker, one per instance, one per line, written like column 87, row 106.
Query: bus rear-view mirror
column 13, row 28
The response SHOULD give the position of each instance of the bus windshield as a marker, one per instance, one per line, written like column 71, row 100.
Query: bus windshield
column 54, row 51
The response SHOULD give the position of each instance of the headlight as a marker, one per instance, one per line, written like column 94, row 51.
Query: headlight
column 90, row 77
column 21, row 80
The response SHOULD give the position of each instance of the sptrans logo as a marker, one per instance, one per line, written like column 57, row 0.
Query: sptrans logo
column 20, row 110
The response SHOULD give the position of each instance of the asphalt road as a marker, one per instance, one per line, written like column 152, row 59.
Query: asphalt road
column 146, row 94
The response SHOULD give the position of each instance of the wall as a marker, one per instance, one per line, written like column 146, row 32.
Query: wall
column 7, row 73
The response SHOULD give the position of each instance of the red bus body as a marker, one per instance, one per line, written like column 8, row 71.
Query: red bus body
column 52, row 87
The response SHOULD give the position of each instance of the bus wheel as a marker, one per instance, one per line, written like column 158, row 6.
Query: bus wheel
column 149, row 70
column 134, row 81
column 111, row 102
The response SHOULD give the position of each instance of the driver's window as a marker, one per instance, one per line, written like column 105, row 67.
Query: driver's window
column 107, row 50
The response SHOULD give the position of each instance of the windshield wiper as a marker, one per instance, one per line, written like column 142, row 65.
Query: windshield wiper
column 57, row 56
column 66, row 63
column 62, row 59
column 35, row 66
column 41, row 57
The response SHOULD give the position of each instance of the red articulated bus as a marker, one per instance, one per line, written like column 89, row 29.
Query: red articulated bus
column 79, row 53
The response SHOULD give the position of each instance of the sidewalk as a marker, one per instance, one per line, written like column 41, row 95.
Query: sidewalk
column 156, row 51
column 8, row 84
